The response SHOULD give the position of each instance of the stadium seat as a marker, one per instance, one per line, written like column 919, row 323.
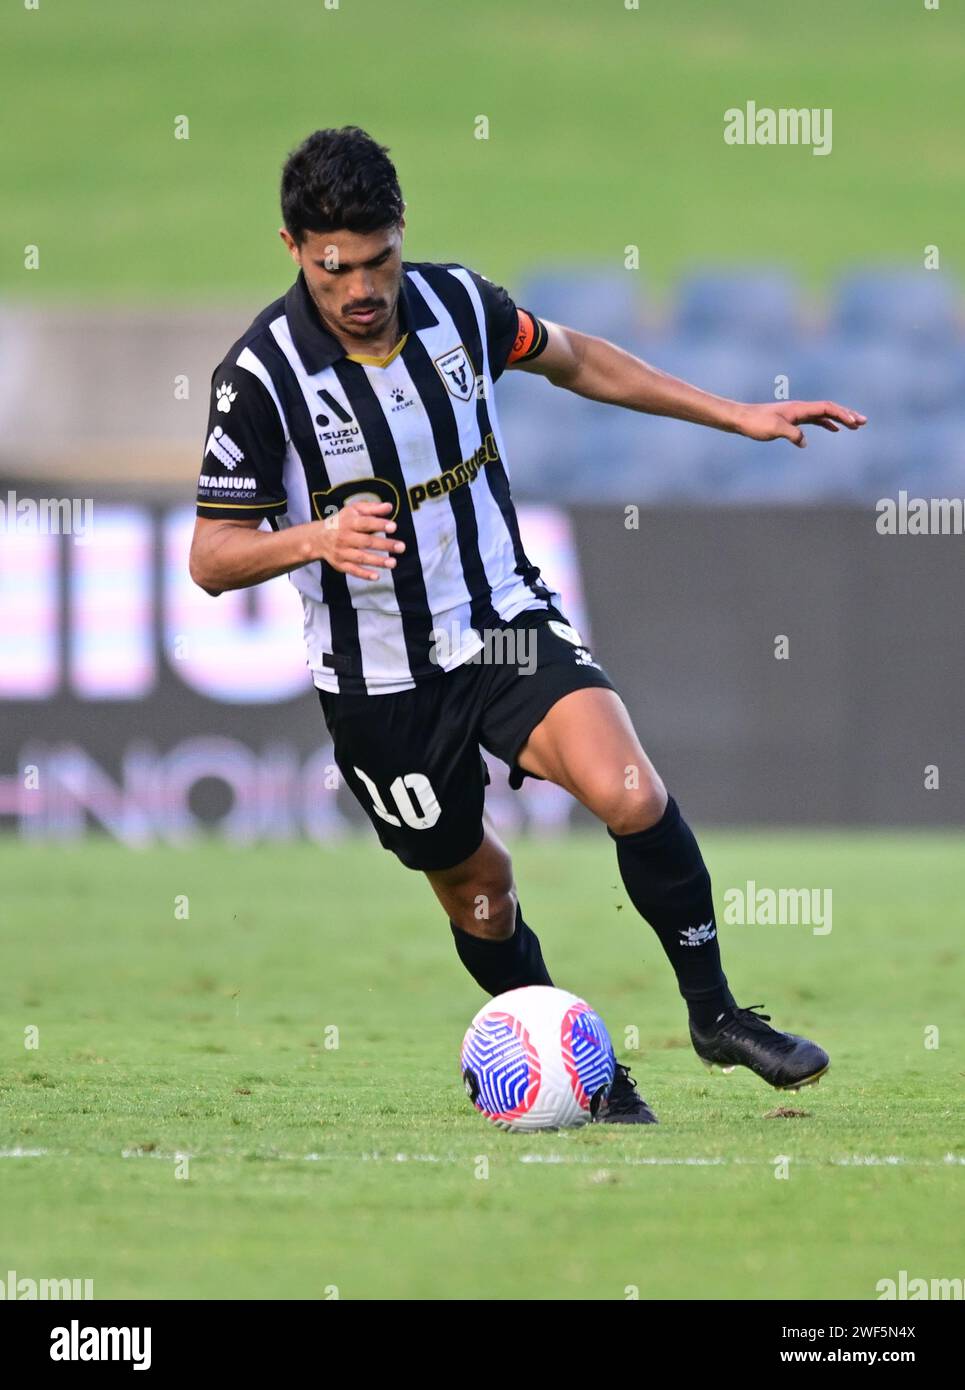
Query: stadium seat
column 924, row 459
column 605, row 302
column 742, row 372
column 575, row 450
column 731, row 338
column 545, row 431
column 759, row 307
column 885, row 379
column 831, row 469
column 676, row 461
column 916, row 307
column 640, row 458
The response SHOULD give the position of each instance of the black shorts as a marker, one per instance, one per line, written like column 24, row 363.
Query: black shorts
column 413, row 758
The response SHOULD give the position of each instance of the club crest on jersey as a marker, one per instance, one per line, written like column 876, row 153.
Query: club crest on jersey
column 569, row 634
column 456, row 371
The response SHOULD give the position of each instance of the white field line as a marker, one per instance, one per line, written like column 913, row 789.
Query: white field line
column 597, row 1160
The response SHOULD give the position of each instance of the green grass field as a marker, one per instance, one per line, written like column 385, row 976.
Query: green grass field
column 606, row 129
column 311, row 1167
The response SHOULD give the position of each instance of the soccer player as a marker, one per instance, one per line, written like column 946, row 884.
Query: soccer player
column 357, row 416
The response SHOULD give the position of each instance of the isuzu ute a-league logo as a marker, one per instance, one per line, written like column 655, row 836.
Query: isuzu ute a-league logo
column 343, row 437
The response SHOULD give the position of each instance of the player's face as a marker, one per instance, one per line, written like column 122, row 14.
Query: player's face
column 353, row 277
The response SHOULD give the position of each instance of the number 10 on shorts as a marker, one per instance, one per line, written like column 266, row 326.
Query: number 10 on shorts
column 401, row 792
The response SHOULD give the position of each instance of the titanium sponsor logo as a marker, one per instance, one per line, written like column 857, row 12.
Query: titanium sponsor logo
column 768, row 907
column 698, row 936
column 754, row 125
column 76, row 1343
column 226, row 483
column 451, row 478
column 222, row 447
column 916, row 1290
column 47, row 516
column 920, row 516
column 14, row 1287
column 501, row 646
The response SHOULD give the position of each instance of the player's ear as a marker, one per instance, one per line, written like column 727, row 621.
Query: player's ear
column 291, row 243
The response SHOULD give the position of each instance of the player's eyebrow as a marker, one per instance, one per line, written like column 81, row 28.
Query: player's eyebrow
column 348, row 265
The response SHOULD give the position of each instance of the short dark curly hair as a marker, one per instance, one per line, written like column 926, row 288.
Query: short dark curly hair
column 339, row 179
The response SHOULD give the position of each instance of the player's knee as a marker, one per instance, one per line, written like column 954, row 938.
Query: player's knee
column 638, row 807
column 487, row 914
column 479, row 894
column 494, row 916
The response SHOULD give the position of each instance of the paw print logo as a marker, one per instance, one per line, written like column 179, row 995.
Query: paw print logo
column 225, row 397
column 398, row 395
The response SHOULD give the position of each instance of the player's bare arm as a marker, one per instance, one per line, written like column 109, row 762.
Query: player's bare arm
column 601, row 371
column 236, row 554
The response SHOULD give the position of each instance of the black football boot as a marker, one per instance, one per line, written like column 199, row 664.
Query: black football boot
column 742, row 1038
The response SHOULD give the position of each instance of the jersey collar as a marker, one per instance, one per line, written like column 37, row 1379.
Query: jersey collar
column 318, row 348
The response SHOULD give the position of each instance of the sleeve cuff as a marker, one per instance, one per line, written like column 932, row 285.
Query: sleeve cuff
column 239, row 511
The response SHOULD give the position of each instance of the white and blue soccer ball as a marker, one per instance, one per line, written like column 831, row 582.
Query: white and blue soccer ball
column 537, row 1058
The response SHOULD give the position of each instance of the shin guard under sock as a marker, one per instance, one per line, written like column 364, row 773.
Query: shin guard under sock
column 667, row 881
column 500, row 965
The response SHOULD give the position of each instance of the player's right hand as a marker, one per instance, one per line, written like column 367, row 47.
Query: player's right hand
column 354, row 540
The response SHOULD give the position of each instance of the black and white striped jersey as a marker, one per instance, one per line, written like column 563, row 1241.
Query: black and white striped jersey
column 298, row 426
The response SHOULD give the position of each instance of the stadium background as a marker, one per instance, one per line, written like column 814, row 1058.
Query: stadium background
column 176, row 725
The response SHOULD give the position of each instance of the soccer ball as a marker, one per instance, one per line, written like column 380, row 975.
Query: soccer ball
column 537, row 1058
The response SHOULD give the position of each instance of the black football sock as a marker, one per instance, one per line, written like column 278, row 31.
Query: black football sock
column 500, row 965
column 668, row 883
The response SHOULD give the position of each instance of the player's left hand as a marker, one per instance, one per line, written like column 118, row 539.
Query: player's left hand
column 783, row 419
